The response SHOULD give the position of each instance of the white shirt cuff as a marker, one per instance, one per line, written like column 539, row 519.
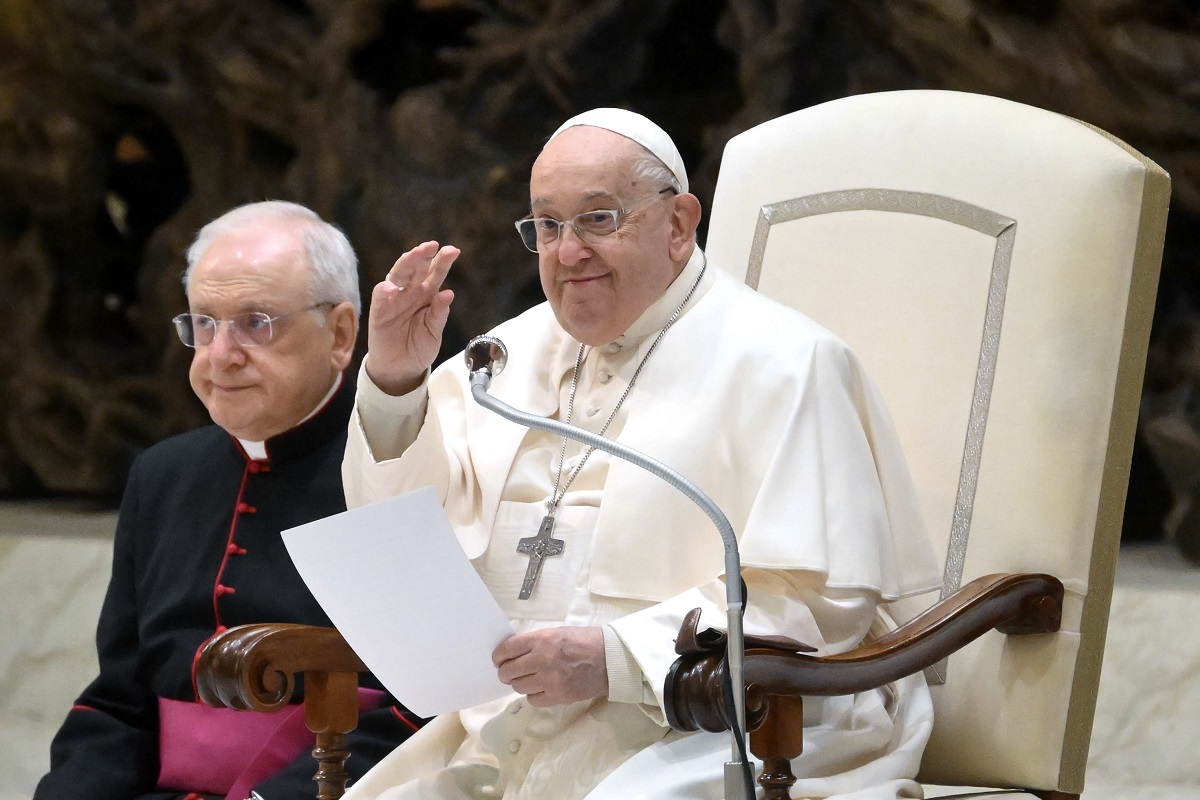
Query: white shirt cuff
column 626, row 684
column 389, row 423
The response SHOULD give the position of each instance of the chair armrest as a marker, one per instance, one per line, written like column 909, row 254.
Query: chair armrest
column 1011, row 603
column 254, row 667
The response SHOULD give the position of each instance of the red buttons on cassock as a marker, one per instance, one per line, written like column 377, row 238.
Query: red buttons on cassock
column 256, row 467
column 223, row 590
column 245, row 508
column 233, row 550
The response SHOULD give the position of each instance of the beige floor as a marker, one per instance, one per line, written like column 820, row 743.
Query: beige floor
column 54, row 562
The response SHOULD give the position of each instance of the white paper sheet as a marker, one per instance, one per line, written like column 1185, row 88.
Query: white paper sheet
column 394, row 580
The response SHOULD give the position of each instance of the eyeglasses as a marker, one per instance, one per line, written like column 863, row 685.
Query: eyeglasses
column 251, row 329
column 588, row 225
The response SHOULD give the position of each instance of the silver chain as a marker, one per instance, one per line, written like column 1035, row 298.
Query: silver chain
column 557, row 495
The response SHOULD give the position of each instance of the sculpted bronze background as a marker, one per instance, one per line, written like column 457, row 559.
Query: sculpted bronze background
column 126, row 125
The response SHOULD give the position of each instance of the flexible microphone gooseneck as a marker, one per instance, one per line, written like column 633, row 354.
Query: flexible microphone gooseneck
column 486, row 356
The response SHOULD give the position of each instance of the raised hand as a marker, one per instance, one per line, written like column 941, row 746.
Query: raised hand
column 409, row 309
column 554, row 666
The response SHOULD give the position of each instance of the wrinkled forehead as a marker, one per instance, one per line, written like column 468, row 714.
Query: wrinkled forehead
column 250, row 267
column 586, row 161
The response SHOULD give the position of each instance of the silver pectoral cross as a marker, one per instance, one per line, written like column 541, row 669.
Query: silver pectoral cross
column 538, row 548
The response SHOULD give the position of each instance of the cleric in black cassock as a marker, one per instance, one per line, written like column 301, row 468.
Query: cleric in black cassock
column 273, row 293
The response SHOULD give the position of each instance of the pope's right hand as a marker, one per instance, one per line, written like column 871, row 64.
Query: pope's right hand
column 409, row 309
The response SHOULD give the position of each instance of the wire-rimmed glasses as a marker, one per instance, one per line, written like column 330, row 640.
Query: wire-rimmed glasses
column 587, row 226
column 249, row 329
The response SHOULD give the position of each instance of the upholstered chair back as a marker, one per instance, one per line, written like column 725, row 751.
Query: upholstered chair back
column 995, row 267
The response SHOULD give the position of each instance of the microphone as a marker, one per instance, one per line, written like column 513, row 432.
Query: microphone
column 486, row 356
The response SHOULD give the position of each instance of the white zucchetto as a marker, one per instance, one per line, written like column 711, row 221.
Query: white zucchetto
column 633, row 126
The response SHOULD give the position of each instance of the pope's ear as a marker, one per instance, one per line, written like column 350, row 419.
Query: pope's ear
column 685, row 218
column 343, row 324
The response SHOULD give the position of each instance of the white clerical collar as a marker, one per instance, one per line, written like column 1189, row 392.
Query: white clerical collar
column 656, row 316
column 257, row 451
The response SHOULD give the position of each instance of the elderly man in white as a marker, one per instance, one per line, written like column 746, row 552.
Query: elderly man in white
column 642, row 340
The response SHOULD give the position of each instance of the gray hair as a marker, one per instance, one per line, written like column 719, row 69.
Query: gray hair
column 331, row 259
column 649, row 167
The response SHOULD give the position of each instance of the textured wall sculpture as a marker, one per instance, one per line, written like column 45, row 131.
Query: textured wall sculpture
column 126, row 125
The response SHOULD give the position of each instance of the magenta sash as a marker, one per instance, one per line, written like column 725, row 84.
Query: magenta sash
column 223, row 751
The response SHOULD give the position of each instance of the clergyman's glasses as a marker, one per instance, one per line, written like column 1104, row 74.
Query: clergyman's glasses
column 589, row 225
column 250, row 329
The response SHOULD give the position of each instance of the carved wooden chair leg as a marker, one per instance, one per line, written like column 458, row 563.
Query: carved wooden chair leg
column 331, row 711
column 777, row 741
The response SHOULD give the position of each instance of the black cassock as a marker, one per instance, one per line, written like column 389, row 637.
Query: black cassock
column 198, row 549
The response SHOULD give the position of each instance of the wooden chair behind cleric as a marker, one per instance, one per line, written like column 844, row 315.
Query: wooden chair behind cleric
column 995, row 267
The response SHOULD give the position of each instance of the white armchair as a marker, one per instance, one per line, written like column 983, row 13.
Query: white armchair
column 995, row 267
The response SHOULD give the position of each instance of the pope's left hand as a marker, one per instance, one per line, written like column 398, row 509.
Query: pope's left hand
column 554, row 666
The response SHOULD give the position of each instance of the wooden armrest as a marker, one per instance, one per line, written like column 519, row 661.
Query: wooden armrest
column 1011, row 603
column 254, row 668
column 777, row 681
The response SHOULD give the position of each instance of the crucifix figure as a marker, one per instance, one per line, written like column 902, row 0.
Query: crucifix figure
column 538, row 548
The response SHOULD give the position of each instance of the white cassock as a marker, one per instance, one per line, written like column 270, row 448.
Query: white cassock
column 769, row 414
